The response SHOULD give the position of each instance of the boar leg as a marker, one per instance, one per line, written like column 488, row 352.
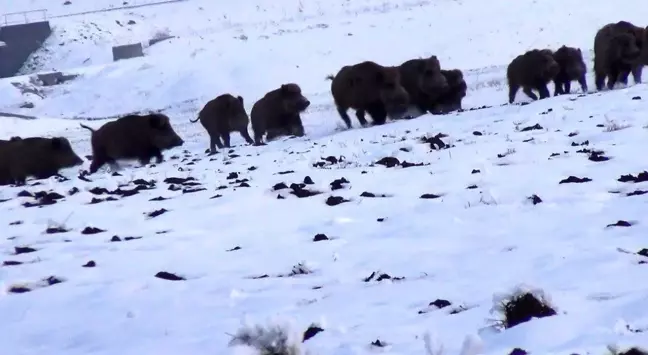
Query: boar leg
column 20, row 181
column 157, row 153
column 258, row 138
column 226, row 139
column 513, row 89
column 567, row 87
column 612, row 78
column 378, row 113
column 599, row 80
column 345, row 116
column 274, row 133
column 558, row 88
column 214, row 141
column 583, row 83
column 623, row 77
column 360, row 115
column 113, row 165
column 529, row 92
column 543, row 90
column 246, row 136
column 17, row 177
column 98, row 160
column 144, row 160
column 636, row 73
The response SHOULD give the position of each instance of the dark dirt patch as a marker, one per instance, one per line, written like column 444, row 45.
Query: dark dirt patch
column 23, row 250
column 429, row 196
column 375, row 276
column 522, row 308
column 192, row 190
column 299, row 191
column 335, row 200
column 55, row 230
column 641, row 177
column 372, row 195
column 574, row 180
column 620, row 223
column 169, row 276
column 338, row 184
column 157, row 213
column 11, row 263
column 312, row 331
column 92, row 230
column 531, row 128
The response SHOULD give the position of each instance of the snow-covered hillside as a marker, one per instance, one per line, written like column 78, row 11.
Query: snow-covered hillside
column 521, row 195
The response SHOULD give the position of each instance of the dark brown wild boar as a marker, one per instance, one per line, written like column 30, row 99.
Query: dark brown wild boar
column 424, row 82
column 532, row 70
column 640, row 36
column 371, row 88
column 140, row 137
column 278, row 113
column 572, row 67
column 35, row 156
column 451, row 98
column 220, row 117
column 617, row 53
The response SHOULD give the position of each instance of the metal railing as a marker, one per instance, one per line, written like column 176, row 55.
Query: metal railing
column 22, row 17
column 132, row 5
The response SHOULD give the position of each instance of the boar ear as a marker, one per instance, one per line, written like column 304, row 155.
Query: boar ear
column 435, row 60
column 240, row 98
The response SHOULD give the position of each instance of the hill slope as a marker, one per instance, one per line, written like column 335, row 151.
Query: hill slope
column 476, row 233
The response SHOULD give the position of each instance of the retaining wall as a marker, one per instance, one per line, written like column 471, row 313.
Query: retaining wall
column 21, row 40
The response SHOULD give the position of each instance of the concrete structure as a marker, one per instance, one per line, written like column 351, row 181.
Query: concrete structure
column 21, row 40
column 127, row 51
column 54, row 78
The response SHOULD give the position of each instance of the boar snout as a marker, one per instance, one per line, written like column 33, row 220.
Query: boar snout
column 303, row 104
column 178, row 142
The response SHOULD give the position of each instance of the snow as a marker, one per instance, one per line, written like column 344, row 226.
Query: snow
column 468, row 246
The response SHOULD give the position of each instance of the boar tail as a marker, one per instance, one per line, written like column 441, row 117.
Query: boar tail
column 196, row 120
column 330, row 77
column 88, row 128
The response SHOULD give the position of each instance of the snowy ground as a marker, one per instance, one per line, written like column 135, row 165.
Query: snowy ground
column 482, row 236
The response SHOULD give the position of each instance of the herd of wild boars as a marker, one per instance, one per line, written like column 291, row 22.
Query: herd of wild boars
column 620, row 49
column 381, row 92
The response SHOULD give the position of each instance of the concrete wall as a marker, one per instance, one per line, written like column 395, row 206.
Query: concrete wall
column 21, row 40
column 127, row 51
